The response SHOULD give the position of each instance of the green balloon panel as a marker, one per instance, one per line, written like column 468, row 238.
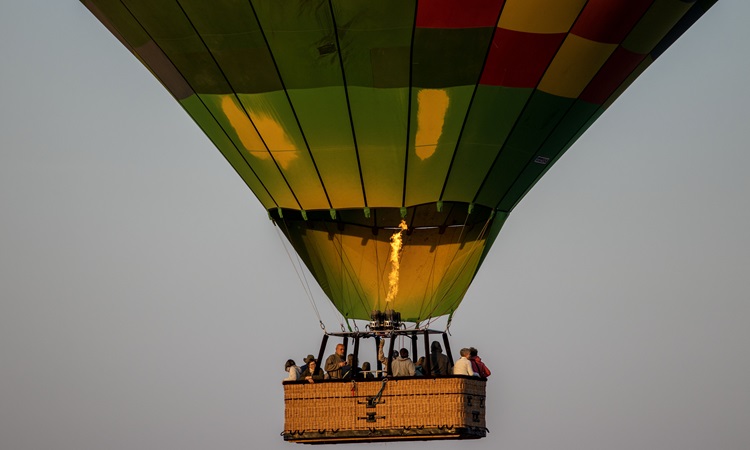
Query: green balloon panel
column 332, row 106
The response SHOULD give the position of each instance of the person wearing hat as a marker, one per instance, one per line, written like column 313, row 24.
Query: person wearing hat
column 313, row 372
column 293, row 370
column 306, row 361
column 439, row 362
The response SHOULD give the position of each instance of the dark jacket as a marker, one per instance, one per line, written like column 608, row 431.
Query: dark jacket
column 317, row 375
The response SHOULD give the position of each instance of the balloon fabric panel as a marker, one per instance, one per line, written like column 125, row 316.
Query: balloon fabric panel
column 346, row 116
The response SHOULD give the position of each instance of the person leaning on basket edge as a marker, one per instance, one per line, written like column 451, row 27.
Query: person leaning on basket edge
column 306, row 360
column 293, row 370
column 463, row 365
column 313, row 372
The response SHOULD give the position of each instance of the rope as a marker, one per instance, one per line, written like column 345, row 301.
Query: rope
column 464, row 264
column 345, row 268
column 336, row 312
column 302, row 278
column 376, row 399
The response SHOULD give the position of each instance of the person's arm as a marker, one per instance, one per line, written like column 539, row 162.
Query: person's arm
column 411, row 368
column 484, row 371
column 381, row 356
column 331, row 365
column 474, row 365
column 463, row 367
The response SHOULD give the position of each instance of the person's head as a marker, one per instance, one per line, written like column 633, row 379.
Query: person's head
column 473, row 351
column 308, row 359
column 289, row 363
column 340, row 350
column 350, row 359
column 404, row 353
column 365, row 366
column 311, row 365
column 420, row 361
column 436, row 347
column 465, row 352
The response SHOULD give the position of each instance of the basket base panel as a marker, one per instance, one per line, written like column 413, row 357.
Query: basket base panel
column 383, row 435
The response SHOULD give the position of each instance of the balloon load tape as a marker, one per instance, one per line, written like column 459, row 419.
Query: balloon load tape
column 385, row 320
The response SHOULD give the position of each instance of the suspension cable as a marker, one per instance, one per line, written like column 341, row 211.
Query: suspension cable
column 463, row 265
column 302, row 278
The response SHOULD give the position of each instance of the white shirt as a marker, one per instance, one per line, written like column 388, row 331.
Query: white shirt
column 463, row 367
column 294, row 374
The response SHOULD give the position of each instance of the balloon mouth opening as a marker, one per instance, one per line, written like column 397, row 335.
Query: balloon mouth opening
column 437, row 215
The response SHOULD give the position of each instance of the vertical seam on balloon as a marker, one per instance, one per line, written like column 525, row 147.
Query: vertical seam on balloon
column 291, row 105
column 526, row 105
column 305, row 284
column 699, row 10
column 379, row 278
column 532, row 157
column 242, row 105
column 242, row 155
column 471, row 101
column 463, row 267
column 409, row 101
column 433, row 291
column 461, row 235
column 557, row 125
column 313, row 243
column 358, row 288
column 348, row 103
column 430, row 279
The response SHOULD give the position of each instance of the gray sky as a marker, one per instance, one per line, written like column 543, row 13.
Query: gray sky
column 146, row 301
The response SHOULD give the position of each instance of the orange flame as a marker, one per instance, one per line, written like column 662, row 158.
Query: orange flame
column 395, row 258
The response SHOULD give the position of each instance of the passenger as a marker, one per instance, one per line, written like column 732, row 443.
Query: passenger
column 293, row 370
column 477, row 365
column 463, row 365
column 403, row 366
column 381, row 357
column 313, row 372
column 366, row 371
column 335, row 364
column 440, row 364
column 306, row 360
column 419, row 367
column 353, row 370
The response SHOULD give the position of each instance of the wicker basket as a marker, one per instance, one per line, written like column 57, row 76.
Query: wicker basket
column 338, row 411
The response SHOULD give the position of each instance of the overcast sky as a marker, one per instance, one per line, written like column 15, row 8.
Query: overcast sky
column 146, row 301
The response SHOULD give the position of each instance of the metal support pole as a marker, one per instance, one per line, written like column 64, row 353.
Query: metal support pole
column 414, row 348
column 390, row 355
column 426, row 366
column 322, row 350
column 378, row 364
column 355, row 360
column 447, row 347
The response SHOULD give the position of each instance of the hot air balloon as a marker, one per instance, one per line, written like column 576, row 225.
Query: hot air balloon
column 389, row 141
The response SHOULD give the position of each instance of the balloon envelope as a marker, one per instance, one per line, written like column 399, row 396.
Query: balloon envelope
column 346, row 116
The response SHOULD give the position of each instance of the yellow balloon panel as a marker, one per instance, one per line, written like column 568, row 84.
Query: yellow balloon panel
column 575, row 64
column 355, row 268
column 540, row 16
